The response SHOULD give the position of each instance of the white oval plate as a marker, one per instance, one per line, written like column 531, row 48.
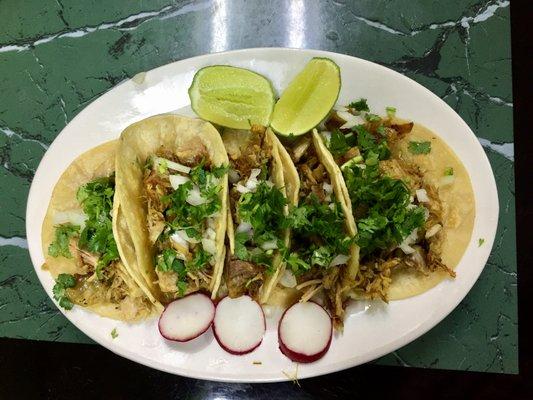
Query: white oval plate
column 371, row 330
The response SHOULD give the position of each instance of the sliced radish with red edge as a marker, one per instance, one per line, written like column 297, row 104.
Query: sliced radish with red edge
column 304, row 332
column 239, row 324
column 187, row 318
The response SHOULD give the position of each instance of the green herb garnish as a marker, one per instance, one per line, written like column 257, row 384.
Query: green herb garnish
column 322, row 229
column 359, row 105
column 391, row 111
column 448, row 171
column 114, row 333
column 381, row 207
column 63, row 282
column 63, row 234
column 96, row 198
column 419, row 147
column 480, row 242
column 372, row 117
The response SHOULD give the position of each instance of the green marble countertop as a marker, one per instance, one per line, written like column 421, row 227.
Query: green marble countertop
column 56, row 56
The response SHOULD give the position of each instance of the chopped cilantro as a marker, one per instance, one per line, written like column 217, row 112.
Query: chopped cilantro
column 372, row 117
column 114, row 333
column 60, row 245
column 419, row 147
column 167, row 261
column 63, row 282
column 368, row 144
column 359, row 105
column 448, row 171
column 338, row 143
column 480, row 242
column 264, row 210
column 391, row 111
column 320, row 232
column 380, row 204
column 200, row 260
column 96, row 198
column 182, row 287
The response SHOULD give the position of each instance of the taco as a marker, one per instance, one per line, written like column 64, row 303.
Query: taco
column 411, row 199
column 172, row 191
column 80, row 248
column 322, row 259
column 258, row 208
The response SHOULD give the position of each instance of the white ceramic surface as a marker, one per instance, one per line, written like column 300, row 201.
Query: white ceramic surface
column 371, row 329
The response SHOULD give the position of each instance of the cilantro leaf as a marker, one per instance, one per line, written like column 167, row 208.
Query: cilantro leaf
column 114, row 333
column 359, row 105
column 96, row 198
column 381, row 207
column 480, row 242
column 60, row 245
column 372, row 117
column 419, row 147
column 448, row 171
column 63, row 282
column 338, row 144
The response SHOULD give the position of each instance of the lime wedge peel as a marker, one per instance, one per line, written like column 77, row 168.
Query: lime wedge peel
column 308, row 99
column 232, row 97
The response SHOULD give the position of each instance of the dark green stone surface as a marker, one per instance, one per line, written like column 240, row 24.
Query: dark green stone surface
column 57, row 56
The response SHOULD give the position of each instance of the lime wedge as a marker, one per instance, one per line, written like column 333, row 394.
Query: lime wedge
column 232, row 97
column 308, row 99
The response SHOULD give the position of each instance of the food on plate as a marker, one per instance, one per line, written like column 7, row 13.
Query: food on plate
column 172, row 189
column 308, row 98
column 79, row 245
column 411, row 199
column 187, row 318
column 257, row 236
column 232, row 97
column 322, row 258
column 347, row 205
column 304, row 332
column 239, row 324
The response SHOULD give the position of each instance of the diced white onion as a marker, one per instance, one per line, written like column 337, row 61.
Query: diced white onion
column 339, row 108
column 411, row 199
column 269, row 184
column 209, row 245
column 244, row 227
column 351, row 120
column 194, row 197
column 433, row 230
column 176, row 238
column 327, row 187
column 73, row 217
column 210, row 233
column 405, row 246
column 331, row 206
column 254, row 173
column 242, row 189
column 426, row 213
column 187, row 238
column 172, row 165
column 447, row 180
column 177, row 180
column 288, row 279
column 233, row 176
column 251, row 184
column 211, row 223
column 422, row 196
column 339, row 260
column 270, row 245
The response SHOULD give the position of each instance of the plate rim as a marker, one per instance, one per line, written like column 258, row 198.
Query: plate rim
column 332, row 367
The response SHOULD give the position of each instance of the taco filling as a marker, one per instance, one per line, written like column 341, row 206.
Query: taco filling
column 182, row 194
column 320, row 243
column 398, row 213
column 97, row 276
column 258, row 208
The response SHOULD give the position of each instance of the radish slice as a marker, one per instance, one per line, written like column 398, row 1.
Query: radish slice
column 304, row 332
column 187, row 318
column 239, row 324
